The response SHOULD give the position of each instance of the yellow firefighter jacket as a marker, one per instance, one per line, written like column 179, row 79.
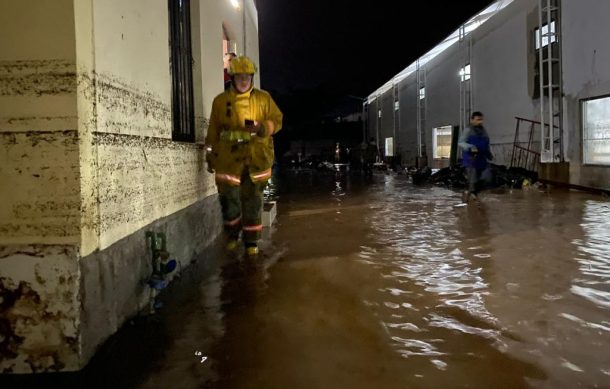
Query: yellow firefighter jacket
column 232, row 146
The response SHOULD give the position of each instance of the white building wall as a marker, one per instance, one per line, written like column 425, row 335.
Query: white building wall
column 586, row 70
column 136, row 175
column 502, row 74
column 87, row 163
column 213, row 14
column 372, row 121
column 442, row 93
column 387, row 119
column 408, row 123
column 39, row 186
column 39, row 189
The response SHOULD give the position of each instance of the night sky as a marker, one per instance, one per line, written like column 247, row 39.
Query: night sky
column 339, row 47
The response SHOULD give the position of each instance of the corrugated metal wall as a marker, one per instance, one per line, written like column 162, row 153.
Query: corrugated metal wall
column 386, row 129
column 407, row 95
column 503, row 67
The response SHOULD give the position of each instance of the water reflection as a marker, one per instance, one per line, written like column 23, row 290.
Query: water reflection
column 423, row 246
column 473, row 296
column 385, row 284
column 594, row 255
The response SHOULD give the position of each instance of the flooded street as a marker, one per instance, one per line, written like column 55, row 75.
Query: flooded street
column 388, row 285
column 391, row 285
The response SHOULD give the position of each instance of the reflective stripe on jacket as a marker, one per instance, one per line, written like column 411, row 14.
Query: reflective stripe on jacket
column 233, row 147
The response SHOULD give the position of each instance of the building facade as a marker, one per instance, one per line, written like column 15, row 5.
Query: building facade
column 103, row 111
column 501, row 62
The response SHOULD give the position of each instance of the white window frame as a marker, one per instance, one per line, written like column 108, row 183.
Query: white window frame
column 465, row 73
column 447, row 130
column 389, row 147
column 600, row 135
column 545, row 39
column 422, row 93
column 396, row 105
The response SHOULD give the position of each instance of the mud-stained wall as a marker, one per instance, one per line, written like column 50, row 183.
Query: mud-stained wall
column 142, row 179
column 38, row 148
column 133, row 173
column 40, row 190
column 125, row 109
column 37, row 66
column 132, row 67
column 132, row 40
column 38, row 152
column 142, row 175
column 87, row 123
column 87, row 164
column 114, row 282
column 39, row 309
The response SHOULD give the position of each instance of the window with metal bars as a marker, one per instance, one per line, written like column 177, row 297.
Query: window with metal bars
column 183, row 117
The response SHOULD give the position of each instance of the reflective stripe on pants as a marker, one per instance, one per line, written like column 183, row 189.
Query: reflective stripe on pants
column 245, row 200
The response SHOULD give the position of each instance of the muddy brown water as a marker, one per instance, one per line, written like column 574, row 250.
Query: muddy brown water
column 383, row 284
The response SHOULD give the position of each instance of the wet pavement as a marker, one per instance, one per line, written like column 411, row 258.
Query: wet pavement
column 383, row 284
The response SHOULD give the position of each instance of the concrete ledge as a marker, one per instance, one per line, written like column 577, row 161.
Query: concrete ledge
column 577, row 187
column 114, row 281
column 558, row 172
column 269, row 213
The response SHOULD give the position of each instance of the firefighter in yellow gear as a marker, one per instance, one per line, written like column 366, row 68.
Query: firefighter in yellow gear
column 239, row 148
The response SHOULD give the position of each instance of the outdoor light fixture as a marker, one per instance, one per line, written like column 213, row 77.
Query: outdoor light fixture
column 235, row 4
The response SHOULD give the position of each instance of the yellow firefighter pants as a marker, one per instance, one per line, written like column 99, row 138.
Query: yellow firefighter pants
column 242, row 207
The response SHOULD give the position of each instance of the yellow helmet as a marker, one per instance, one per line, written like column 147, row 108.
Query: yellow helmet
column 242, row 65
